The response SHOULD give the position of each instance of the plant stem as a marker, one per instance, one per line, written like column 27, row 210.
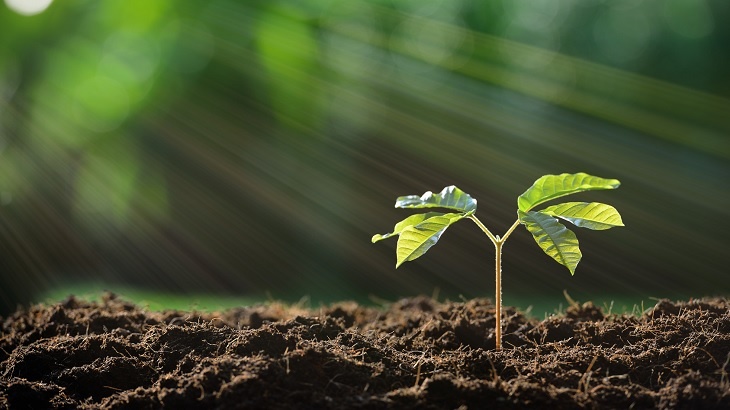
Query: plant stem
column 510, row 230
column 498, row 294
column 498, row 242
column 481, row 226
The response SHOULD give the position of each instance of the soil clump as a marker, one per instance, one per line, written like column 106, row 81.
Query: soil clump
column 416, row 353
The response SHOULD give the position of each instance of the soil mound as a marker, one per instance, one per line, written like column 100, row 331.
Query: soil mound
column 415, row 353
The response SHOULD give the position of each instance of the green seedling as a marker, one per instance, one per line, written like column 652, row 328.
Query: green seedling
column 419, row 232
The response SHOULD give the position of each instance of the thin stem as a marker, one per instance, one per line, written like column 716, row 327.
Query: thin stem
column 498, row 293
column 498, row 242
column 510, row 230
column 481, row 226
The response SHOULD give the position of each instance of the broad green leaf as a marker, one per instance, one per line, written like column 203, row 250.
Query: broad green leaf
column 591, row 215
column 400, row 226
column 450, row 197
column 415, row 240
column 549, row 187
column 554, row 238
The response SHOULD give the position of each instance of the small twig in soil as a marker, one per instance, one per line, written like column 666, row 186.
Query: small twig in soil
column 495, row 375
column 724, row 377
column 417, row 365
column 585, row 379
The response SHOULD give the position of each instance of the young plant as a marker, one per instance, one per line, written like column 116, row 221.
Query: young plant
column 419, row 232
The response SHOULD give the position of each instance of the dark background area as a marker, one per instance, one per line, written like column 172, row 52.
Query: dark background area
column 254, row 147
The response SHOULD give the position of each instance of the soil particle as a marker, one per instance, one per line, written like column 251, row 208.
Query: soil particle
column 416, row 353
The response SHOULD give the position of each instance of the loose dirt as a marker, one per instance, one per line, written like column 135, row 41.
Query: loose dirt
column 414, row 353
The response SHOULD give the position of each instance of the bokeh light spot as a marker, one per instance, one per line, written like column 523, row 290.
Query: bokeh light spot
column 688, row 18
column 131, row 60
column 101, row 104
column 138, row 55
column 28, row 7
column 195, row 46
column 623, row 34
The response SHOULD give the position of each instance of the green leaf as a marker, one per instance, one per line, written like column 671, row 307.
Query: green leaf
column 554, row 238
column 549, row 187
column 415, row 240
column 400, row 226
column 593, row 215
column 450, row 197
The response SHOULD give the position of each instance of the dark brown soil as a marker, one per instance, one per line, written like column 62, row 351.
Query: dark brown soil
column 416, row 353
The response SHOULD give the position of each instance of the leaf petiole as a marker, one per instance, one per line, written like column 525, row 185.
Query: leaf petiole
column 494, row 238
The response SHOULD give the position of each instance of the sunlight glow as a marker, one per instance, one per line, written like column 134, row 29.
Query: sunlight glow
column 28, row 7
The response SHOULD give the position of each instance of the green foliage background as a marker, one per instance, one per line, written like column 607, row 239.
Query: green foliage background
column 245, row 147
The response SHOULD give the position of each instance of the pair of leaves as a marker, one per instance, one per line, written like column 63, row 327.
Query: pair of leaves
column 419, row 232
column 553, row 237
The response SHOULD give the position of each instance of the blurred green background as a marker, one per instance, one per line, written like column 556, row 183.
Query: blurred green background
column 250, row 149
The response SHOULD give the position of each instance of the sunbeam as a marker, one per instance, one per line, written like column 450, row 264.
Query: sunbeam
column 247, row 148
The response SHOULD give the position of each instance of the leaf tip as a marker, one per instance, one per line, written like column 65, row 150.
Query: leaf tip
column 573, row 266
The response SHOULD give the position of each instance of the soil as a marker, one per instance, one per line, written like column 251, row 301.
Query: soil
column 414, row 353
